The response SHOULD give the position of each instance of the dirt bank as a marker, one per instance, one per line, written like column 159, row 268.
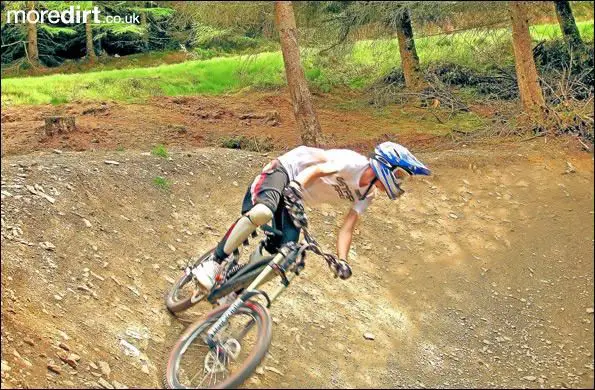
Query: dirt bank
column 481, row 276
column 264, row 118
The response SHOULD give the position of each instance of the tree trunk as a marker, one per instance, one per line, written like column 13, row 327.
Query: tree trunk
column 2, row 143
column 567, row 24
column 409, row 58
column 32, row 51
column 145, row 26
column 89, row 40
column 527, row 79
column 301, row 98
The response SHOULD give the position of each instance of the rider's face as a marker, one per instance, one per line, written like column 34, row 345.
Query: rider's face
column 380, row 186
column 400, row 174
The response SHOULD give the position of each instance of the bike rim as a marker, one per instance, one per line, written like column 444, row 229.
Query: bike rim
column 198, row 366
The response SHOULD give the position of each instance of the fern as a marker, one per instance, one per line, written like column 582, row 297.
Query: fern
column 54, row 31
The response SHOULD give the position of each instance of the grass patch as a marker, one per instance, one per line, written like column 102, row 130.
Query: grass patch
column 209, row 77
column 367, row 61
column 55, row 101
column 162, row 183
column 476, row 49
column 160, row 151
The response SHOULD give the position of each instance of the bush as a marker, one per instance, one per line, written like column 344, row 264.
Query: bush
column 555, row 62
column 256, row 144
column 207, row 37
column 498, row 82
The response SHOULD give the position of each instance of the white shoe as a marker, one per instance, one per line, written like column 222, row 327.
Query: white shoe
column 206, row 273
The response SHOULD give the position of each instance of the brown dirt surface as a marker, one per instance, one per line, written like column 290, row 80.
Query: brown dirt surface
column 191, row 121
column 480, row 276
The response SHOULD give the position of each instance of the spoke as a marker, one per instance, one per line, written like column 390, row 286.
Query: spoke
column 236, row 339
column 194, row 377
column 203, row 378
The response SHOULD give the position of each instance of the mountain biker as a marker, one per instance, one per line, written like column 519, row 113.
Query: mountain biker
column 313, row 175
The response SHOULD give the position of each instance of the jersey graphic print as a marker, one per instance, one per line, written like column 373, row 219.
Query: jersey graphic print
column 343, row 189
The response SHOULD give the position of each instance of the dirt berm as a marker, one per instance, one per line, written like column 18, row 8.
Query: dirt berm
column 480, row 276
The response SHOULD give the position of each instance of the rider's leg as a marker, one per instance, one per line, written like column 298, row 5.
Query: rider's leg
column 260, row 203
column 283, row 222
column 291, row 233
column 206, row 273
column 258, row 215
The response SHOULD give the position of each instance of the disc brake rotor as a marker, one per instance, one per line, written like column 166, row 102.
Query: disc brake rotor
column 216, row 360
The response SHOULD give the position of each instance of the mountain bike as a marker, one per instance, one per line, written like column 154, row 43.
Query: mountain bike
column 223, row 349
column 187, row 292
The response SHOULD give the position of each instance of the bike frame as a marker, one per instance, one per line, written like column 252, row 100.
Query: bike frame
column 278, row 265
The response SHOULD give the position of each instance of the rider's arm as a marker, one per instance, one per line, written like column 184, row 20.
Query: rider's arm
column 313, row 172
column 346, row 234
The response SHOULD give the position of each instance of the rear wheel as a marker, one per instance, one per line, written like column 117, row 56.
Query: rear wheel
column 245, row 339
column 186, row 292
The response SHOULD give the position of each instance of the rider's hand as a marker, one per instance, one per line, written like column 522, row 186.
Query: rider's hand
column 342, row 269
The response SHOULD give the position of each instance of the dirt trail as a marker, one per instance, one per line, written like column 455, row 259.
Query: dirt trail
column 482, row 275
column 266, row 118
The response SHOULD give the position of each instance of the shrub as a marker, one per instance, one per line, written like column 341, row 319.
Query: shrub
column 162, row 183
column 160, row 151
column 257, row 144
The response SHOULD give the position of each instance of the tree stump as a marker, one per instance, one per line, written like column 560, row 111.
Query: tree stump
column 272, row 118
column 59, row 124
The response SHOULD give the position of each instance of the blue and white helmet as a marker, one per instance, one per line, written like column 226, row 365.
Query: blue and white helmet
column 389, row 156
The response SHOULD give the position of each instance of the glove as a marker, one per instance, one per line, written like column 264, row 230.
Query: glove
column 341, row 269
column 293, row 203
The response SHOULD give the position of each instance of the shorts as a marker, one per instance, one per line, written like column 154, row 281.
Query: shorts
column 267, row 189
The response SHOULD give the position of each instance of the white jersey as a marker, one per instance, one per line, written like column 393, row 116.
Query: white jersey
column 342, row 185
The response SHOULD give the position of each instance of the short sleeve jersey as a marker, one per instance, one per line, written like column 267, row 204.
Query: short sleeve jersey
column 340, row 186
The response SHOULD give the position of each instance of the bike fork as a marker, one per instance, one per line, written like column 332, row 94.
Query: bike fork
column 239, row 302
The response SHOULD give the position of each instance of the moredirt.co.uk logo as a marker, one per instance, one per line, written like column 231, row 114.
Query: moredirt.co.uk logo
column 73, row 14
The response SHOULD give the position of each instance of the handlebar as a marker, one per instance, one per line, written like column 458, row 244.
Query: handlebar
column 339, row 267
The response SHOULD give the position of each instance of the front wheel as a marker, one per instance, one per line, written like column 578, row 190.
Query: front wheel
column 245, row 339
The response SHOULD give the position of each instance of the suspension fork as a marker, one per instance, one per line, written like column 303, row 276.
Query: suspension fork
column 239, row 302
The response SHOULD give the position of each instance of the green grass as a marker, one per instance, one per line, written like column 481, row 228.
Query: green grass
column 552, row 31
column 162, row 183
column 367, row 61
column 160, row 151
column 474, row 49
column 208, row 77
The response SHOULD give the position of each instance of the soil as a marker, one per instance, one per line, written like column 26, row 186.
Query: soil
column 191, row 121
column 479, row 276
